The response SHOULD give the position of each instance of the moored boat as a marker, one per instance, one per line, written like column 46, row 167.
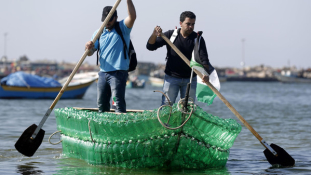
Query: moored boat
column 156, row 78
column 137, row 139
column 134, row 82
column 26, row 86
column 155, row 81
column 80, row 78
column 291, row 79
column 222, row 79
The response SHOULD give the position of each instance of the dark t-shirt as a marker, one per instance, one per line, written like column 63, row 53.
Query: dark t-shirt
column 175, row 66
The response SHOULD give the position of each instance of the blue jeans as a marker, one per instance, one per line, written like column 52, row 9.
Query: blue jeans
column 173, row 85
column 111, row 84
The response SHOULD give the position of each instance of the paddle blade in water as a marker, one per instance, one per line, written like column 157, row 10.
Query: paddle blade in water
column 26, row 145
column 283, row 158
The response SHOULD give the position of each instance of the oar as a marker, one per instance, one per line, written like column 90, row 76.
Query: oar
column 273, row 153
column 32, row 137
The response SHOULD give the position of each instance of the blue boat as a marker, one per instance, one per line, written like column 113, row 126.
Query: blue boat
column 20, row 85
column 135, row 84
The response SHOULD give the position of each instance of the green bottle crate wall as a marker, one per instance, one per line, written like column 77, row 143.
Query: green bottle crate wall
column 137, row 139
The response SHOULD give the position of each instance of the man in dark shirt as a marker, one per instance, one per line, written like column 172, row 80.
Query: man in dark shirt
column 177, row 72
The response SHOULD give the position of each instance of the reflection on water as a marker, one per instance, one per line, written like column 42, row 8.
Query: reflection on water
column 75, row 166
column 28, row 169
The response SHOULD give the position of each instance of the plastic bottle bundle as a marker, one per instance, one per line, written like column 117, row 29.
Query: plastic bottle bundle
column 135, row 140
column 214, row 130
column 126, row 132
column 151, row 124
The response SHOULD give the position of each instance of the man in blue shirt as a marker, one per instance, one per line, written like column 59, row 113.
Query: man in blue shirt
column 114, row 66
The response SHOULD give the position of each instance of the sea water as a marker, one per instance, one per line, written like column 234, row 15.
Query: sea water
column 279, row 112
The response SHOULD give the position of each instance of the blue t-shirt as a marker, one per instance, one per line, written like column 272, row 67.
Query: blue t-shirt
column 111, row 56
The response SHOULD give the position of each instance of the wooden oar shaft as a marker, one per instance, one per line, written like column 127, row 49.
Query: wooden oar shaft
column 222, row 98
column 75, row 70
column 59, row 95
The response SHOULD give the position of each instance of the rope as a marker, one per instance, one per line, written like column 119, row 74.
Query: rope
column 52, row 136
column 185, row 112
column 166, row 125
column 169, row 102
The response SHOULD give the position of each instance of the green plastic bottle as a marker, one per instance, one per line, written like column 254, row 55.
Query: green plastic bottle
column 105, row 154
column 158, row 147
column 98, row 147
column 124, row 151
column 110, row 154
column 117, row 153
column 140, row 151
column 131, row 150
column 172, row 140
column 149, row 153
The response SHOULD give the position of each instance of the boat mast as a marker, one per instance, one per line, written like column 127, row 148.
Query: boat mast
column 5, row 34
column 4, row 58
column 243, row 56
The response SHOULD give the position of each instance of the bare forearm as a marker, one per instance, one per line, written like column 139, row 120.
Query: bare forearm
column 152, row 39
column 131, row 9
column 156, row 32
column 129, row 21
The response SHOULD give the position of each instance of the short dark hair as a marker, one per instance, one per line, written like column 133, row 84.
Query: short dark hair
column 186, row 14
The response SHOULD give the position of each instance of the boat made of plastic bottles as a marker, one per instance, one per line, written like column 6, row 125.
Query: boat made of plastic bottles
column 137, row 139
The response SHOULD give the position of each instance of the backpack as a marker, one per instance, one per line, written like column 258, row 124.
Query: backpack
column 172, row 39
column 131, row 53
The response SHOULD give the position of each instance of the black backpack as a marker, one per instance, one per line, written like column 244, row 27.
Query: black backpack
column 131, row 53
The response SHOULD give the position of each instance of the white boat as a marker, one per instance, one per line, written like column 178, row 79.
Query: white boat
column 154, row 81
column 80, row 78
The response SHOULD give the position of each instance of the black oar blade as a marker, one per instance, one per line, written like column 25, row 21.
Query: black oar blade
column 283, row 158
column 26, row 145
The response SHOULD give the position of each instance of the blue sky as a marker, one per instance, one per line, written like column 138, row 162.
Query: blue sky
column 277, row 33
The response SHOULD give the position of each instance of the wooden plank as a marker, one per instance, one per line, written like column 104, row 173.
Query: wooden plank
column 111, row 110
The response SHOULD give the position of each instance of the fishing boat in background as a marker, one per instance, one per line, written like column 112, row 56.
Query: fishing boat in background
column 137, row 139
column 155, row 81
column 158, row 82
column 81, row 78
column 156, row 78
column 135, row 82
column 222, row 79
column 290, row 77
column 21, row 85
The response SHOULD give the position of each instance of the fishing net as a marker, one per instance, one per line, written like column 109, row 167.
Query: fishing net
column 137, row 139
